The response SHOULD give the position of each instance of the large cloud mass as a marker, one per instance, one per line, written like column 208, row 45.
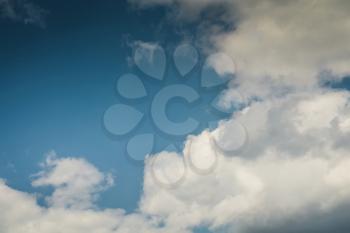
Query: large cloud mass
column 294, row 166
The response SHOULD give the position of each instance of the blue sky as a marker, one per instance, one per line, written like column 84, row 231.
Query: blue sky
column 57, row 82
column 277, row 164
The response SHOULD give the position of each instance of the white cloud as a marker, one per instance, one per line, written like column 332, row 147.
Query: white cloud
column 76, row 182
column 283, row 173
column 20, row 212
column 277, row 45
column 288, row 44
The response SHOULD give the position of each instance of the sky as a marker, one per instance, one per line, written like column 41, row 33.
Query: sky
column 174, row 116
column 58, row 78
column 57, row 82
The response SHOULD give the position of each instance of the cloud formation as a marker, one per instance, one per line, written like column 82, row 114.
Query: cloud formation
column 292, row 174
column 289, row 44
column 71, row 208
column 277, row 46
column 295, row 168
column 76, row 182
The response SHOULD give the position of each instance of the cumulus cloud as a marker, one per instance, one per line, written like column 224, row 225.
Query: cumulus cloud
column 76, row 182
column 277, row 45
column 288, row 44
column 291, row 169
column 23, row 11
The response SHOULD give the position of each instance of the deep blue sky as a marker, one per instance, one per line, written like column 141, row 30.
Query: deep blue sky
column 56, row 83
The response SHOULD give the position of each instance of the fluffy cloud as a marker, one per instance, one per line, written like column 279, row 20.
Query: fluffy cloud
column 21, row 213
column 293, row 167
column 277, row 46
column 76, row 182
column 293, row 164
column 290, row 44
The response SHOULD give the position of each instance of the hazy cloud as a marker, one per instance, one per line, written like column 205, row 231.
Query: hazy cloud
column 23, row 11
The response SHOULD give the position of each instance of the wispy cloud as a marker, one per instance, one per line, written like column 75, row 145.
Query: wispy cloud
column 23, row 11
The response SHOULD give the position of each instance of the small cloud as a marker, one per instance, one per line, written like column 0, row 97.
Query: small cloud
column 77, row 183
